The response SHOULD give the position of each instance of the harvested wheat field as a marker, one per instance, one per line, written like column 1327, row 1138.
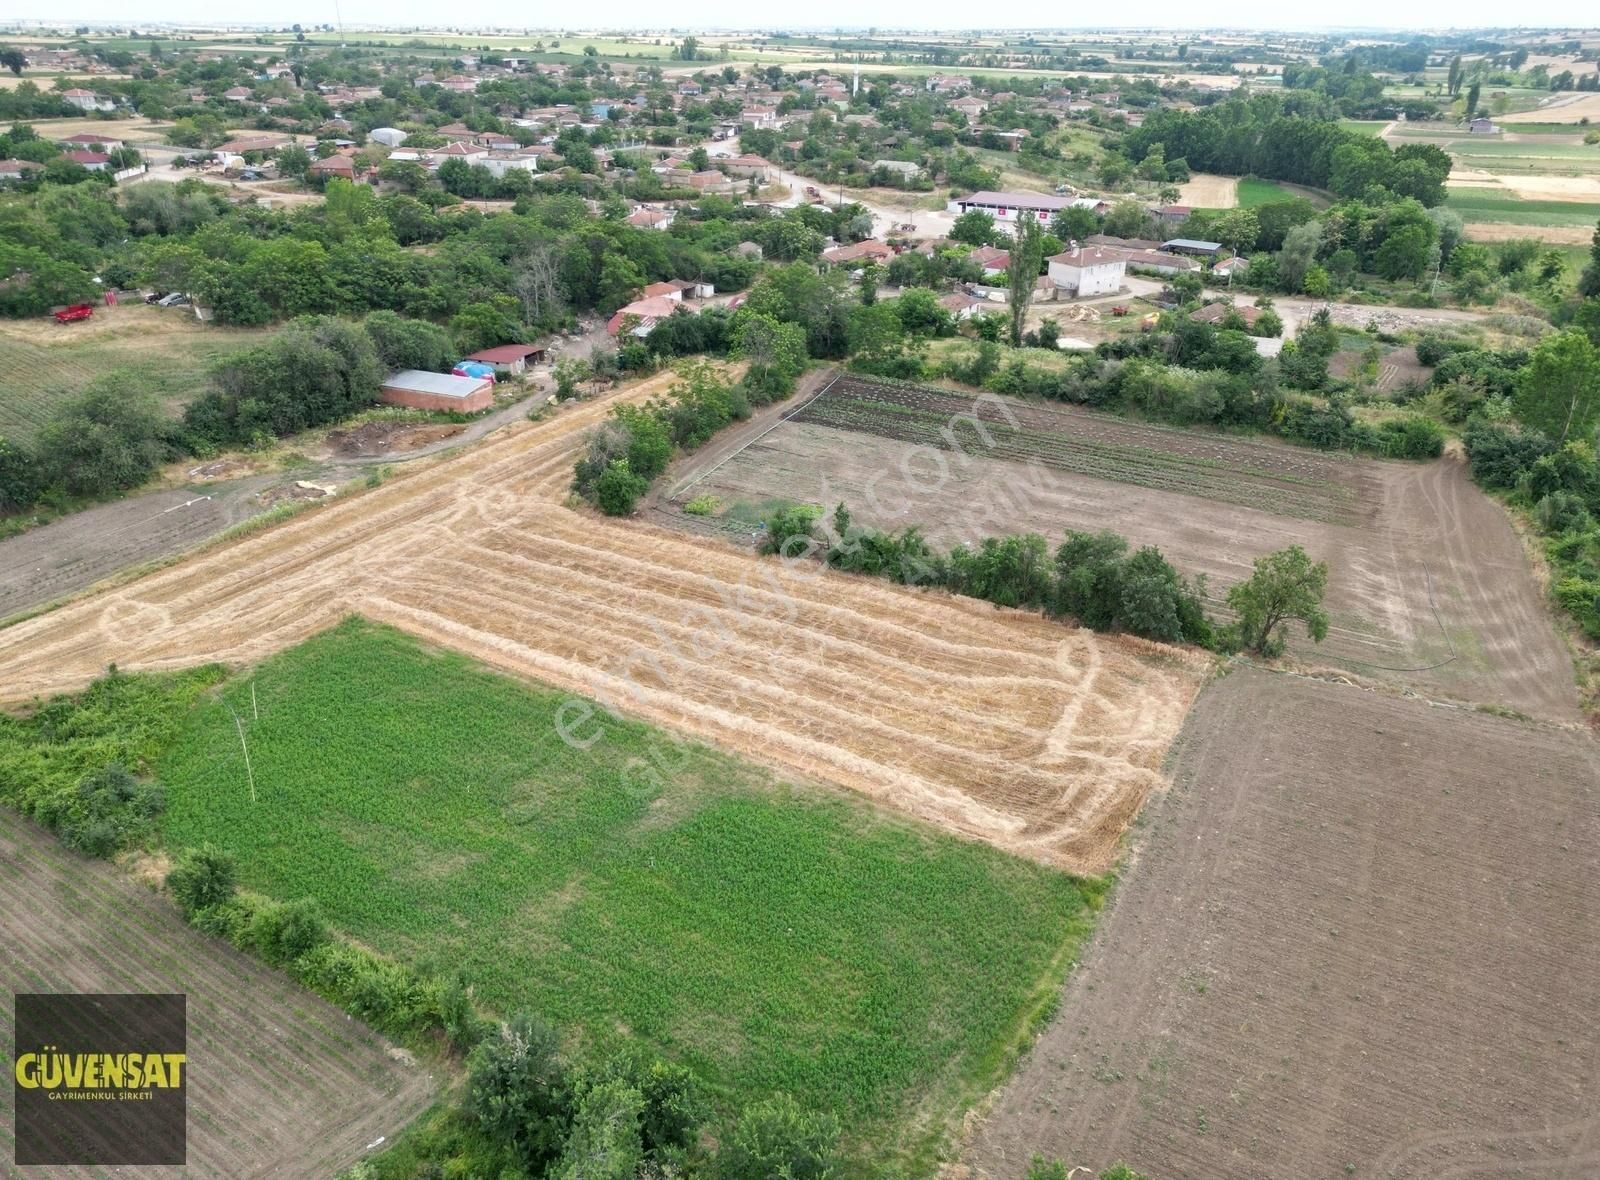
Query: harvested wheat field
column 1428, row 584
column 994, row 724
column 1358, row 939
column 1205, row 191
column 281, row 1084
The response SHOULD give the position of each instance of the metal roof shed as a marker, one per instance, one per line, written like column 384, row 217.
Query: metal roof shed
column 422, row 390
column 1191, row 246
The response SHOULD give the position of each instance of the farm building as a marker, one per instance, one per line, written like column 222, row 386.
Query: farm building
column 1229, row 267
column 1159, row 262
column 510, row 359
column 1192, row 246
column 388, row 136
column 1088, row 270
column 1010, row 206
column 18, row 169
column 420, row 390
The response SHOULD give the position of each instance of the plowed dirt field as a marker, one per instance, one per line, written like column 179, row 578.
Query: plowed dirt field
column 281, row 1084
column 1358, row 940
column 1428, row 585
column 994, row 724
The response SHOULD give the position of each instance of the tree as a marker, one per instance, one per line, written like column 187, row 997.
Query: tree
column 1558, row 391
column 1472, row 98
column 605, row 1141
column 202, row 878
column 974, row 227
column 294, row 161
column 13, row 60
column 777, row 1138
column 776, row 351
column 1027, row 254
column 19, row 476
column 516, row 1089
column 1286, row 586
column 110, row 437
column 1589, row 280
column 409, row 344
column 533, row 278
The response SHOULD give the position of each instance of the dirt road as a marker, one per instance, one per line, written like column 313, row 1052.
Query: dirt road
column 1357, row 940
column 993, row 724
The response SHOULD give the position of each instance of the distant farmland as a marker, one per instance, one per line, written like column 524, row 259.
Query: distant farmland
column 1487, row 204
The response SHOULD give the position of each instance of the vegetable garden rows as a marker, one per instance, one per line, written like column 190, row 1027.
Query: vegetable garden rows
column 887, row 412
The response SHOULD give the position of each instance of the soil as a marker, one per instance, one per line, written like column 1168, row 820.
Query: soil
column 386, row 438
column 1550, row 235
column 997, row 725
column 1531, row 187
column 1565, row 108
column 1395, row 368
column 1424, row 569
column 299, row 489
column 281, row 1084
column 1345, row 948
column 1204, row 191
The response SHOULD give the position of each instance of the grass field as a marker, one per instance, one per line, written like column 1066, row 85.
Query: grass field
column 773, row 937
column 1479, row 204
column 1364, row 126
column 165, row 351
column 1254, row 191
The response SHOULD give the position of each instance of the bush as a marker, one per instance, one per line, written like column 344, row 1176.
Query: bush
column 202, row 879
column 518, row 1089
column 109, row 808
column 109, row 438
column 619, row 488
column 281, row 932
column 1561, row 512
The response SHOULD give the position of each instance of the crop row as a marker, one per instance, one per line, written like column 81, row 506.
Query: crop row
column 1140, row 466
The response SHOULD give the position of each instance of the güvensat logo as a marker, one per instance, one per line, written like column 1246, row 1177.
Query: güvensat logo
column 100, row 1079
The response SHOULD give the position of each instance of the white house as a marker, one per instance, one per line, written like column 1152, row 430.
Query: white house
column 86, row 100
column 1088, row 270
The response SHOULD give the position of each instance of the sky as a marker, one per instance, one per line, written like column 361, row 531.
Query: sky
column 826, row 14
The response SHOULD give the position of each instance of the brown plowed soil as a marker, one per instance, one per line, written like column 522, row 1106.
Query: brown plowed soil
column 386, row 438
column 281, row 1084
column 1358, row 939
column 1429, row 586
column 995, row 724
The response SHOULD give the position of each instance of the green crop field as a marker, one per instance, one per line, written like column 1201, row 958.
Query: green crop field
column 773, row 937
column 47, row 363
column 1254, row 191
column 1364, row 126
column 1478, row 204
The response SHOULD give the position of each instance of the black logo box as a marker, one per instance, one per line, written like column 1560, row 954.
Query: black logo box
column 116, row 1125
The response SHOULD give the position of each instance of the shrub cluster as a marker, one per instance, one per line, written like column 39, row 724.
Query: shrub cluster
column 1092, row 577
column 1560, row 488
column 633, row 446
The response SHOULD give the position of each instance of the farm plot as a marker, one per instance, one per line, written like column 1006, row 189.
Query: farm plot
column 1357, row 939
column 280, row 1083
column 163, row 350
column 1429, row 586
column 1300, row 484
column 641, row 891
column 916, row 699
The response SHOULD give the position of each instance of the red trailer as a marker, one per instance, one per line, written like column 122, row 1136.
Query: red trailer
column 74, row 313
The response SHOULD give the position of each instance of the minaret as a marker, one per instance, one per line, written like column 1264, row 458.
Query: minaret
column 855, row 87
